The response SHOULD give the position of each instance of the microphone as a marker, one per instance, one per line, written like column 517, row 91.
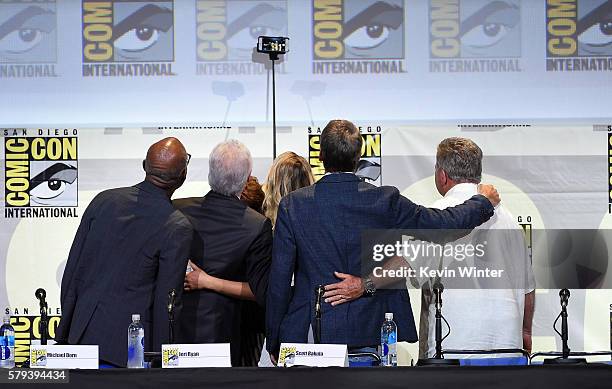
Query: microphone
column 565, row 295
column 40, row 294
column 317, row 330
column 171, row 300
column 438, row 288
column 319, row 293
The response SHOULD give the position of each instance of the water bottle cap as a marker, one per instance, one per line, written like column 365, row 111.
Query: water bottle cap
column 389, row 316
column 135, row 317
column 7, row 319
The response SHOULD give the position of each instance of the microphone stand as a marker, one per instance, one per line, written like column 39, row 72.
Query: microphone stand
column 438, row 359
column 564, row 294
column 564, row 335
column 274, row 56
column 155, row 357
column 43, row 325
column 171, row 303
column 317, row 330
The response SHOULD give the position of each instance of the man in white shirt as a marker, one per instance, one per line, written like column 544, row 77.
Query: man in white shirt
column 479, row 318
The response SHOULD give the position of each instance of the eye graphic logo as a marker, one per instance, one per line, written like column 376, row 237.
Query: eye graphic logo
column 28, row 39
column 227, row 31
column 127, row 31
column 128, row 38
column 27, row 32
column 41, row 176
column 475, row 35
column 346, row 29
column 53, row 184
column 358, row 36
column 579, row 35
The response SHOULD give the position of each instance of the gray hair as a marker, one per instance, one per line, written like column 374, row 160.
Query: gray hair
column 461, row 159
column 230, row 165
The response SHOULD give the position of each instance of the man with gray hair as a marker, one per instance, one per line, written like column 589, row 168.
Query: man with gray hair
column 232, row 243
column 480, row 319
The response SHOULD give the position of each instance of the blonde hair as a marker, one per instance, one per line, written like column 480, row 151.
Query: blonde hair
column 288, row 173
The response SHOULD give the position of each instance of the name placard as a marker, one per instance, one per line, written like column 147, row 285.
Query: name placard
column 64, row 356
column 314, row 355
column 196, row 355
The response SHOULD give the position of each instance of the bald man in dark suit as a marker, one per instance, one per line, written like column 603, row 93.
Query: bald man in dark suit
column 129, row 251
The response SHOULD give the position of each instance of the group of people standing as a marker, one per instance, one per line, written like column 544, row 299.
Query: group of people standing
column 245, row 258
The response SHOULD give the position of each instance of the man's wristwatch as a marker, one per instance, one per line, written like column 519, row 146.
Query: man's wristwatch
column 368, row 287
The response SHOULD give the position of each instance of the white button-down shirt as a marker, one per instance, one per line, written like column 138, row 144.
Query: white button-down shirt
column 480, row 318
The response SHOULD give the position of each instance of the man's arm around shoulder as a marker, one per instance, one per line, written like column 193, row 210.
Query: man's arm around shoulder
column 472, row 213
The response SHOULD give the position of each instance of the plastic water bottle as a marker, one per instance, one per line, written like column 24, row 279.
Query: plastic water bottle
column 135, row 343
column 388, row 341
column 7, row 344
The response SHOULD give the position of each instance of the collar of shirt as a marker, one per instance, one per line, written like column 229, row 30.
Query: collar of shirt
column 328, row 173
column 237, row 197
column 150, row 188
column 462, row 191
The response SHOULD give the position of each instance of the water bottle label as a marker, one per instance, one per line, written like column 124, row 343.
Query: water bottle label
column 385, row 349
column 392, row 338
column 6, row 353
column 7, row 341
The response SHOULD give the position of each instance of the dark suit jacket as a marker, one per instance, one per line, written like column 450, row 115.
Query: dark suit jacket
column 232, row 242
column 317, row 232
column 130, row 249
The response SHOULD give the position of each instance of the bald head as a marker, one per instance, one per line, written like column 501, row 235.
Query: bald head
column 166, row 164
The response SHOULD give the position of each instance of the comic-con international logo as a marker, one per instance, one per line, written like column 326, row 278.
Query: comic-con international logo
column 28, row 39
column 127, row 38
column 38, row 358
column 170, row 357
column 287, row 356
column 578, row 35
column 474, row 36
column 369, row 167
column 227, row 32
column 358, row 36
column 40, row 173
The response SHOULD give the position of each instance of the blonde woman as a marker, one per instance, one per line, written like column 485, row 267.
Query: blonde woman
column 288, row 173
